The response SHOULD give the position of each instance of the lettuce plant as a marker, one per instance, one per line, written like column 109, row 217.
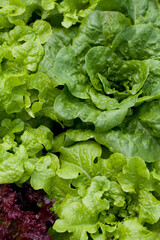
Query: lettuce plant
column 80, row 112
column 21, row 217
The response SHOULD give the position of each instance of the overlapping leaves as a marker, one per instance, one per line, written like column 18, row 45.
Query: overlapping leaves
column 100, row 79
column 102, row 191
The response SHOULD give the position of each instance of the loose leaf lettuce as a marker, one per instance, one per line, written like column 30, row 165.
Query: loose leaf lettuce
column 79, row 112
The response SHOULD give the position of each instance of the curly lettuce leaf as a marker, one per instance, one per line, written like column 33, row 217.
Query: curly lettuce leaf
column 11, row 164
column 80, row 223
column 44, row 171
column 36, row 139
column 131, row 229
column 149, row 207
column 30, row 53
column 135, row 176
column 74, row 11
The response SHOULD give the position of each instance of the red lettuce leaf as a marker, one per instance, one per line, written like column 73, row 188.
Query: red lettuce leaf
column 24, row 213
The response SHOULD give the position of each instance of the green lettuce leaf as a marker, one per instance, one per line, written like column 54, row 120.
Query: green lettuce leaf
column 155, row 228
column 93, row 198
column 66, row 70
column 59, row 38
column 80, row 223
column 135, row 176
column 98, row 29
column 134, row 9
column 44, row 171
column 36, row 139
column 30, row 54
column 131, row 229
column 11, row 164
column 43, row 30
column 149, row 117
column 149, row 207
column 79, row 158
column 68, row 107
column 74, row 11
column 125, row 42
column 132, row 140
column 113, row 68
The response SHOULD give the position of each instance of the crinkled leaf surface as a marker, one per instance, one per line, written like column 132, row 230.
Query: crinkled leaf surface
column 131, row 229
column 79, row 112
column 135, row 176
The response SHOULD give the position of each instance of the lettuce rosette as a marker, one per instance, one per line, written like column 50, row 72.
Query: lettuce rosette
column 101, row 86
